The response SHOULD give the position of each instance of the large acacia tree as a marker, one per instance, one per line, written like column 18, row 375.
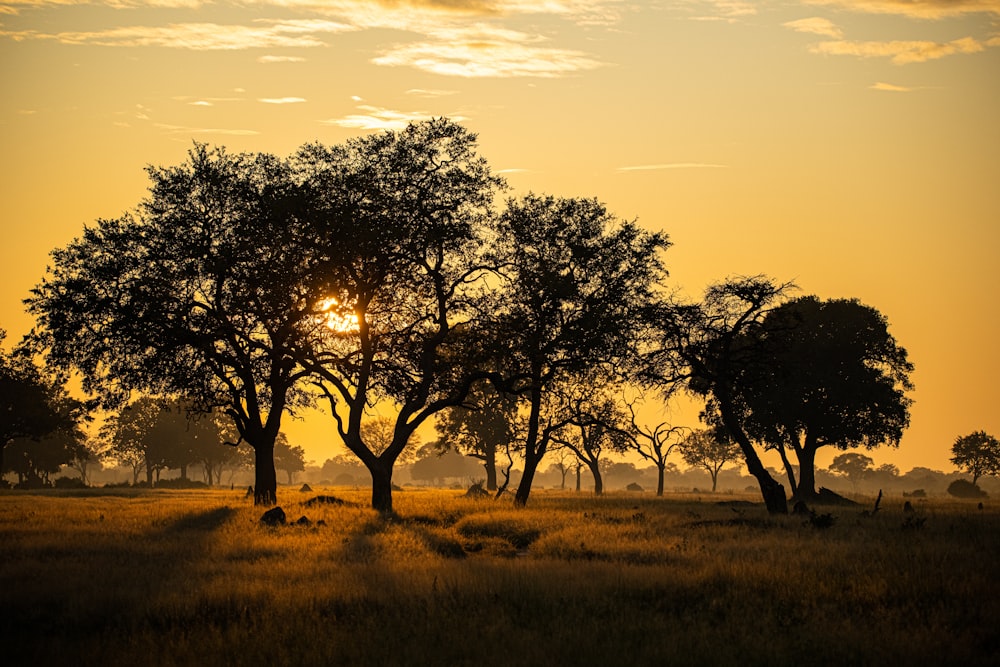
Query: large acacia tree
column 575, row 281
column 197, row 293
column 712, row 349
column 831, row 376
column 398, row 223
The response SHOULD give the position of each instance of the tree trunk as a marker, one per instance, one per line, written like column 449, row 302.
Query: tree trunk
column 771, row 490
column 184, row 472
column 579, row 467
column 381, row 473
column 715, row 479
column 531, row 461
column 660, row 472
column 490, row 464
column 265, row 483
column 595, row 470
column 789, row 471
column 149, row 475
column 807, row 473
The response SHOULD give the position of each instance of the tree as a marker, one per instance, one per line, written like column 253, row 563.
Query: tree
column 197, row 293
column 710, row 349
column 978, row 454
column 33, row 403
column 832, row 376
column 287, row 457
column 652, row 443
column 33, row 460
column 434, row 465
column 853, row 466
column 478, row 428
column 710, row 449
column 86, row 456
column 574, row 282
column 596, row 424
column 399, row 224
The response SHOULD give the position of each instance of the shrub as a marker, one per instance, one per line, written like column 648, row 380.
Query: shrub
column 918, row 493
column 68, row 483
column 963, row 488
column 634, row 487
column 180, row 483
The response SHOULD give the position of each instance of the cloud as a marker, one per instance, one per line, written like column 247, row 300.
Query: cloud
column 377, row 118
column 280, row 59
column 672, row 165
column 889, row 87
column 200, row 36
column 923, row 9
column 901, row 52
column 179, row 129
column 281, row 100
column 201, row 103
column 421, row 92
column 485, row 51
column 816, row 26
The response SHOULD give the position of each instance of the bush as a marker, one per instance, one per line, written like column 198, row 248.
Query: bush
column 180, row 483
column 963, row 488
column 68, row 483
column 634, row 487
column 918, row 493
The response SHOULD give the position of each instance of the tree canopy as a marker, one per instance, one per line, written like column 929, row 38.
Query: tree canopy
column 977, row 453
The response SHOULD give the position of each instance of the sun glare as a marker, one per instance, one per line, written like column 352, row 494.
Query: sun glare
column 337, row 317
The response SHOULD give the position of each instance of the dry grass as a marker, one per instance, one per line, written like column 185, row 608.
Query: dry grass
column 190, row 577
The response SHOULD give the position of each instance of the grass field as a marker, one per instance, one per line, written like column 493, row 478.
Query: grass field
column 191, row 578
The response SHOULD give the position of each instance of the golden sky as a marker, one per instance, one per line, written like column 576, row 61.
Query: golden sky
column 850, row 146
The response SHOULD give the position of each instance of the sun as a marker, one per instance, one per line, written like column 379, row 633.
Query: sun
column 338, row 318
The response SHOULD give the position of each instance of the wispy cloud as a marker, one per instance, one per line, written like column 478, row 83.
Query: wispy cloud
column 378, row 118
column 280, row 59
column 486, row 51
column 816, row 26
column 672, row 165
column 281, row 100
column 902, row 52
column 200, row 36
column 180, row 129
column 923, row 9
column 421, row 92
column 890, row 88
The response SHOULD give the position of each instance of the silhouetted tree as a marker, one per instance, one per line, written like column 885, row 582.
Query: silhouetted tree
column 199, row 292
column 709, row 449
column 33, row 404
column 978, row 454
column 711, row 348
column 574, row 282
column 287, row 457
column 399, row 220
column 852, row 466
column 482, row 425
column 832, row 376
column 596, row 425
column 652, row 443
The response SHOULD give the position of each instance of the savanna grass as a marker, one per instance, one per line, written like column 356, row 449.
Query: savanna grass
column 191, row 578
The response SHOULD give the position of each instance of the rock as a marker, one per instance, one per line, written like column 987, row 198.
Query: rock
column 273, row 517
column 907, row 508
column 303, row 521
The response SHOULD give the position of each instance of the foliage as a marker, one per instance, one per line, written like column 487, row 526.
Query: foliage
column 712, row 349
column 978, row 454
column 396, row 236
column 485, row 422
column 831, row 374
column 574, row 282
column 195, row 293
column 35, row 405
column 287, row 457
column 710, row 449
column 963, row 488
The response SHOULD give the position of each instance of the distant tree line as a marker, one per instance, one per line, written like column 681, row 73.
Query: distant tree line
column 383, row 271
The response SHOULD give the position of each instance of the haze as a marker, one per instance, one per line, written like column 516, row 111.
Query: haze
column 850, row 146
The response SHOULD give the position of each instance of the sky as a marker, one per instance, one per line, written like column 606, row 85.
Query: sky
column 849, row 146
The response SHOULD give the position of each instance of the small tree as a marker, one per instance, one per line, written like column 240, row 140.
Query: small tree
column 978, row 454
column 288, row 457
column 710, row 449
column 853, row 466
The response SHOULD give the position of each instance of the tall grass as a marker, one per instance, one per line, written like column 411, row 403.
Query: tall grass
column 192, row 578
